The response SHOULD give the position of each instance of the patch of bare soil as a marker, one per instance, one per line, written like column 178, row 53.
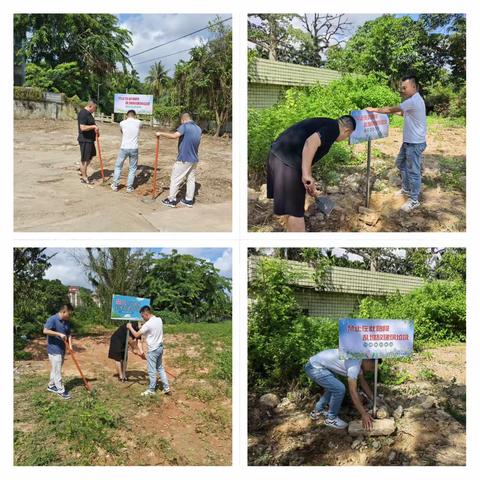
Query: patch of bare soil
column 173, row 430
column 443, row 192
column 50, row 197
column 429, row 411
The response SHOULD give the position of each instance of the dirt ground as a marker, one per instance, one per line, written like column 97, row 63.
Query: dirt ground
column 186, row 428
column 443, row 191
column 50, row 197
column 431, row 430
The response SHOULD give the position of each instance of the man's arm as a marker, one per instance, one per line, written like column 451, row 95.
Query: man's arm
column 367, row 420
column 87, row 128
column 393, row 109
column 365, row 386
column 172, row 136
column 53, row 333
column 132, row 331
column 311, row 145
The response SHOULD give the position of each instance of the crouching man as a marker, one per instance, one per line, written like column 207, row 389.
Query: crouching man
column 323, row 369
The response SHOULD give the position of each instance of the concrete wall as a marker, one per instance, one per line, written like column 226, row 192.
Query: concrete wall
column 50, row 110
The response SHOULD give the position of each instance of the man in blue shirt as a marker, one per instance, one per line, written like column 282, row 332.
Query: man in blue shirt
column 57, row 329
column 189, row 135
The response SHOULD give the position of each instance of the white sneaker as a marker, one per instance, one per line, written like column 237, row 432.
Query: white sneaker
column 410, row 205
column 402, row 193
column 147, row 393
column 316, row 415
column 336, row 422
column 114, row 187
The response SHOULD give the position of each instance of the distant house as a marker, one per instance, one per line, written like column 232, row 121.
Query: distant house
column 74, row 296
column 268, row 80
column 342, row 288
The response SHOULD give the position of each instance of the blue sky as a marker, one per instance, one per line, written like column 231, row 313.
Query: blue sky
column 67, row 269
column 153, row 29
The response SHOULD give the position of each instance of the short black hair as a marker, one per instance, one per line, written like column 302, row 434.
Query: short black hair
column 66, row 306
column 145, row 308
column 412, row 78
column 348, row 121
column 131, row 112
column 187, row 114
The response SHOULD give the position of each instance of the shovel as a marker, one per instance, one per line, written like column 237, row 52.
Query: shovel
column 323, row 203
column 155, row 167
column 85, row 381
column 99, row 148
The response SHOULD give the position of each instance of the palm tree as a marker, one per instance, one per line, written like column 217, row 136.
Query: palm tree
column 157, row 78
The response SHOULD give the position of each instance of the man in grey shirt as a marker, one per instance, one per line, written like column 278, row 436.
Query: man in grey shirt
column 323, row 369
column 409, row 159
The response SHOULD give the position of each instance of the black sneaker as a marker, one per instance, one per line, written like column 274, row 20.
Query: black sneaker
column 169, row 203
column 52, row 389
column 65, row 395
column 187, row 203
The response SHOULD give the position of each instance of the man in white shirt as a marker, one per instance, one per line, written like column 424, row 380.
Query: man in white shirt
column 130, row 128
column 152, row 330
column 323, row 369
column 409, row 159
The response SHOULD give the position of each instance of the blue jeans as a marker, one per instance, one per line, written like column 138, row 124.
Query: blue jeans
column 132, row 155
column 409, row 162
column 334, row 389
column 154, row 366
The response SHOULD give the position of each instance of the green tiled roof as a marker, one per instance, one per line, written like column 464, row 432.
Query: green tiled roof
column 348, row 280
column 289, row 74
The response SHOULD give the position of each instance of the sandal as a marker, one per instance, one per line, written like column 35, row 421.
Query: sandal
column 86, row 182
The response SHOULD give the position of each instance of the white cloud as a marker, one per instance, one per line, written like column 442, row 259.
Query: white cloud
column 224, row 263
column 65, row 268
column 153, row 29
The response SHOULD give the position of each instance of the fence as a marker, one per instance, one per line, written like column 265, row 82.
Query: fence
column 268, row 80
column 340, row 290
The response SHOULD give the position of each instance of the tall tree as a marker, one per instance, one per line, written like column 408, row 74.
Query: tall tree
column 271, row 34
column 204, row 83
column 157, row 79
column 319, row 33
column 190, row 287
column 94, row 41
column 115, row 270
column 390, row 46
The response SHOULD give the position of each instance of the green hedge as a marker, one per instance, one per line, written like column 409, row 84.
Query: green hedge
column 333, row 100
column 438, row 309
column 32, row 94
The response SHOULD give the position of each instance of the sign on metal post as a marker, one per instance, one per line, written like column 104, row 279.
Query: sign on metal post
column 127, row 308
column 142, row 104
column 364, row 338
column 369, row 126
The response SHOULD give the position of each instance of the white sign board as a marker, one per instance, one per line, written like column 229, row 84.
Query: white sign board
column 142, row 104
column 361, row 338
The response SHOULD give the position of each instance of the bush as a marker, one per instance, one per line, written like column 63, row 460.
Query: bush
column 446, row 100
column 31, row 94
column 438, row 309
column 333, row 100
column 281, row 339
column 170, row 318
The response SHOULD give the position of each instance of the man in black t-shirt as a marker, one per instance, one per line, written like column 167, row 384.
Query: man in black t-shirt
column 289, row 169
column 87, row 132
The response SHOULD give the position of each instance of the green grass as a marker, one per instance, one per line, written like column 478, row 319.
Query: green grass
column 433, row 121
column 97, row 429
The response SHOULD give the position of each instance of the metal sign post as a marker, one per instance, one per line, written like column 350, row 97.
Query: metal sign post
column 369, row 166
column 375, row 377
column 125, row 355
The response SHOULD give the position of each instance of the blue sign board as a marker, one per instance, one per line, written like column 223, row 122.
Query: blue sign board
column 127, row 308
column 361, row 338
column 370, row 126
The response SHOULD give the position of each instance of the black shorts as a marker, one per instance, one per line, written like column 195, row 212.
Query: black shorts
column 87, row 151
column 285, row 186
